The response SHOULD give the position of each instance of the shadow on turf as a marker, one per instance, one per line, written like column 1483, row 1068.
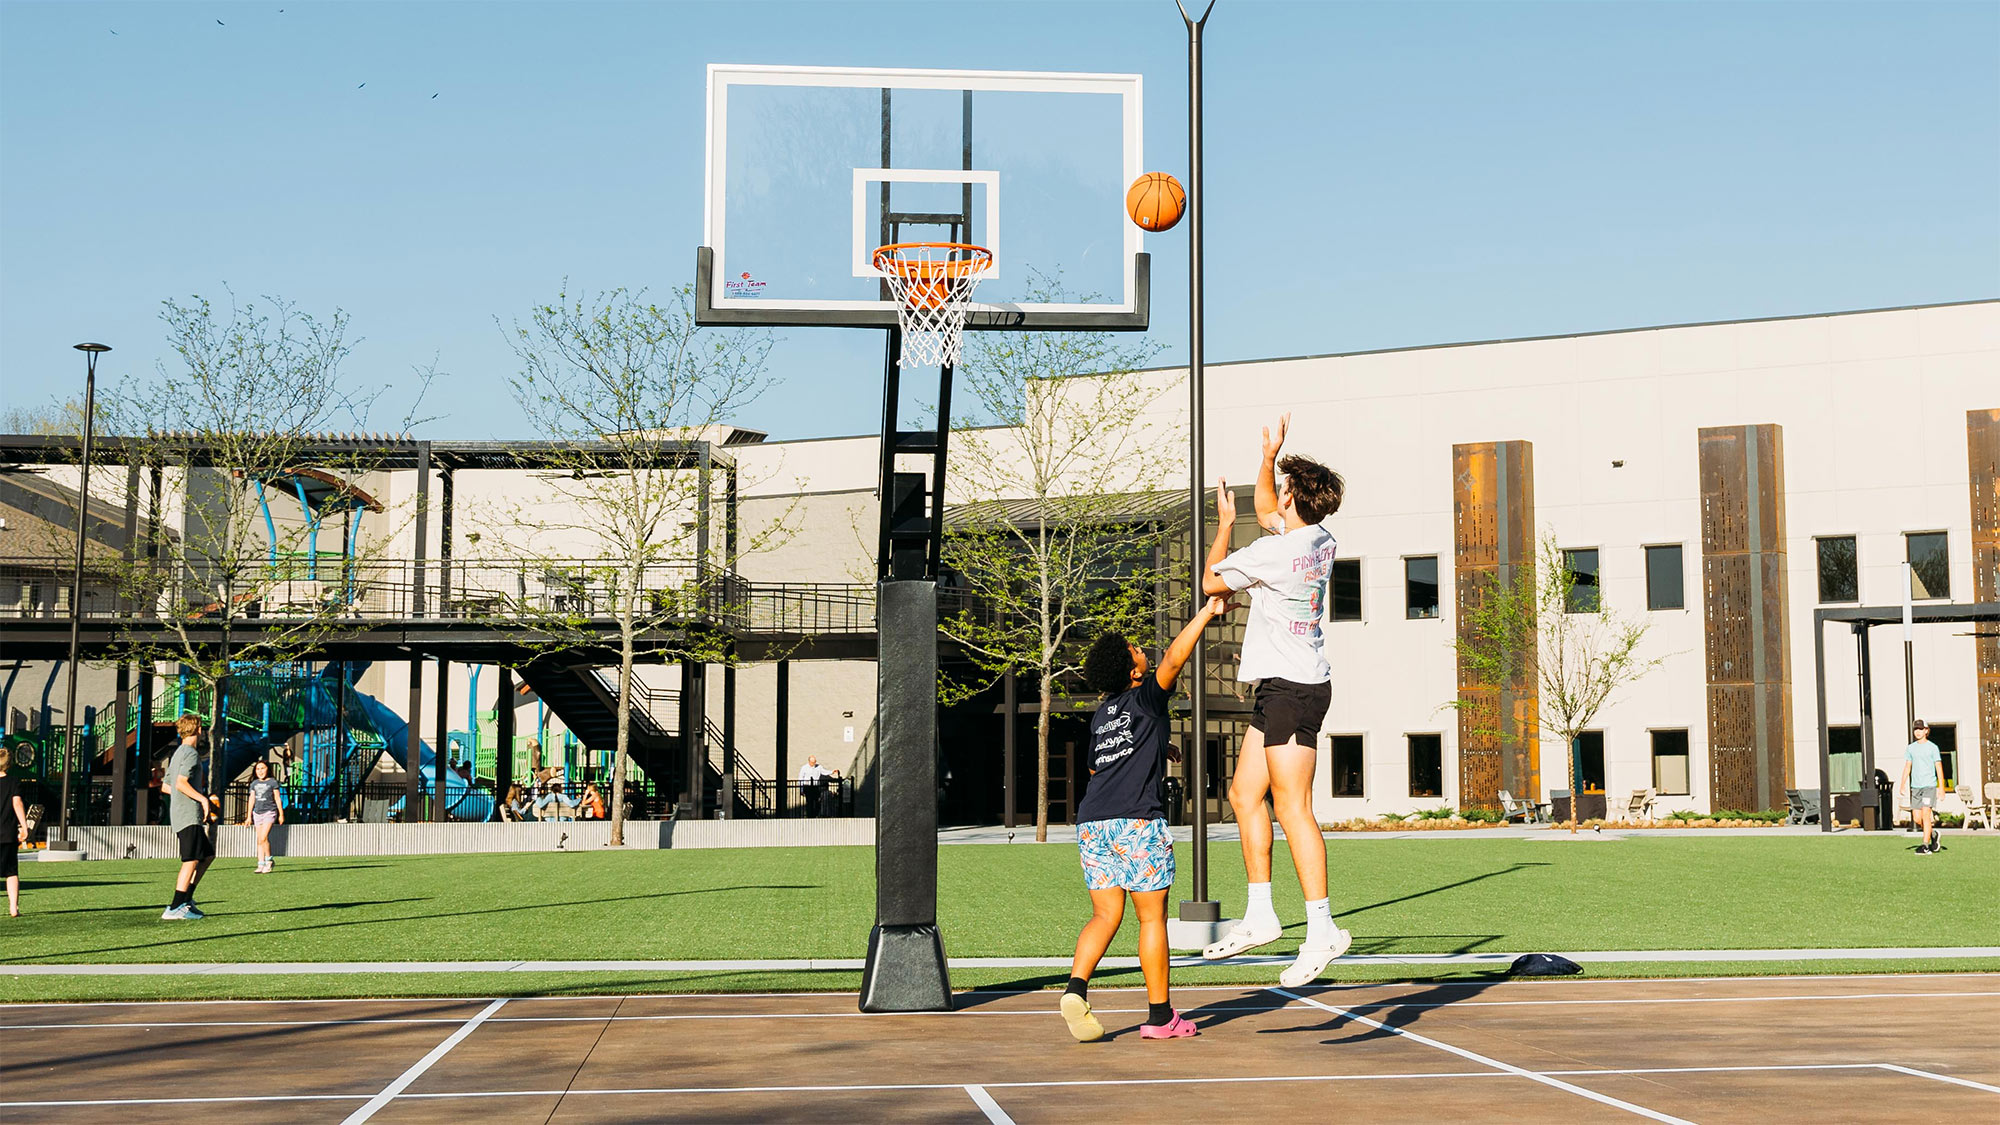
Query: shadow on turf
column 223, row 914
column 1510, row 869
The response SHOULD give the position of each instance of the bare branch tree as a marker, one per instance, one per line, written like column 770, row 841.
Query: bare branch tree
column 626, row 386
column 1057, row 459
column 1543, row 625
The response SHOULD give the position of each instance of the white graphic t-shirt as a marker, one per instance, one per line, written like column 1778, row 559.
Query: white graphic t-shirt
column 1287, row 578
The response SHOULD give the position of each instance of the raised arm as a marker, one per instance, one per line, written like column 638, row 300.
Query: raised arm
column 1183, row 646
column 1268, row 516
column 1225, row 521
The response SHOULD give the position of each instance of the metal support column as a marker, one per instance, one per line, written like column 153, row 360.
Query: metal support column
column 503, row 733
column 1010, row 713
column 440, row 748
column 726, row 807
column 1825, row 743
column 1197, row 907
column 413, row 750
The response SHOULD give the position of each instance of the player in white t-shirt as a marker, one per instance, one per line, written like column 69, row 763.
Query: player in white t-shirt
column 1286, row 574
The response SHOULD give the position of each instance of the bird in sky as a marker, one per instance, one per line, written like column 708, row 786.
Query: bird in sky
column 363, row 84
column 219, row 23
column 434, row 97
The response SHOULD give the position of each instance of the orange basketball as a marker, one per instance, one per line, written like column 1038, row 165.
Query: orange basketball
column 1155, row 201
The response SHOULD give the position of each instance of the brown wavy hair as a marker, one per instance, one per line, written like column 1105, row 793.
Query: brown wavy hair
column 1316, row 489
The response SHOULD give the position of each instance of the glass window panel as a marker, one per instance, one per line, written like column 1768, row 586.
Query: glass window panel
column 1670, row 762
column 1583, row 592
column 1945, row 737
column 1420, row 587
column 1839, row 577
column 1930, row 565
column 1843, row 759
column 1590, row 760
column 1347, row 590
column 1426, row 765
column 1664, row 587
column 1347, row 768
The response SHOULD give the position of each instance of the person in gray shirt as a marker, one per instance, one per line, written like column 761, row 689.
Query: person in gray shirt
column 188, row 811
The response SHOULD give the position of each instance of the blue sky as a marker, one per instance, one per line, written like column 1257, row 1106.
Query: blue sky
column 1379, row 174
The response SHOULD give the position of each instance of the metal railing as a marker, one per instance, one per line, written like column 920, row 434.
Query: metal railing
column 519, row 591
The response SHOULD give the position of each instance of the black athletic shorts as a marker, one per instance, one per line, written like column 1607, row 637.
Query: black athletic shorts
column 195, row 844
column 10, row 857
column 1287, row 711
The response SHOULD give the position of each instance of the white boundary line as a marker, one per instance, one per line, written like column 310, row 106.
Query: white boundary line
column 1038, row 1013
column 1473, row 1056
column 1398, row 1076
column 415, row 1072
column 988, row 1106
column 1910, row 1070
column 854, row 964
column 1543, row 982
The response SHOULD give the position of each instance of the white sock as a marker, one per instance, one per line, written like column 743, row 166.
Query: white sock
column 1319, row 924
column 1259, row 907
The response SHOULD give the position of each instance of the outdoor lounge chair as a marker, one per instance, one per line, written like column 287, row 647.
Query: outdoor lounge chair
column 1641, row 805
column 1802, row 806
column 1528, row 812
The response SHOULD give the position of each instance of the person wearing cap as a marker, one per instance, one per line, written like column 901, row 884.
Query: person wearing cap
column 1921, row 766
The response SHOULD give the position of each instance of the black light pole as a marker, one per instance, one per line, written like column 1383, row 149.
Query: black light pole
column 1199, row 908
column 91, row 352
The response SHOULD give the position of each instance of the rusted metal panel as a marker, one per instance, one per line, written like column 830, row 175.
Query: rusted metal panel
column 1748, row 646
column 1982, row 446
column 1493, row 540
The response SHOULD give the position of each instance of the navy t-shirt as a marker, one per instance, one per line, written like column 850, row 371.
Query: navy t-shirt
column 1128, row 753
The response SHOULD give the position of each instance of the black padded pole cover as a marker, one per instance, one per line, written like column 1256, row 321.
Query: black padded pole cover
column 906, row 967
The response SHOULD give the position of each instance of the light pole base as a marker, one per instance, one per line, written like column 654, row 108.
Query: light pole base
column 1186, row 935
column 63, row 851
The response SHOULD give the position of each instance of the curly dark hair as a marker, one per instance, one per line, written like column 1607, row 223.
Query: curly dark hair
column 1316, row 489
column 1107, row 667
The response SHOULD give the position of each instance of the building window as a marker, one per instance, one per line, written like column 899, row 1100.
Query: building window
column 1347, row 779
column 1664, row 586
column 1843, row 760
column 1945, row 737
column 1426, row 765
column 1670, row 762
column 1930, row 564
column 1346, row 589
column 1420, row 587
column 1839, row 575
column 1589, row 763
column 1583, row 592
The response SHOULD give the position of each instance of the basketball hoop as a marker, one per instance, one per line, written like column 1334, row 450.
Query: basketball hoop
column 932, row 283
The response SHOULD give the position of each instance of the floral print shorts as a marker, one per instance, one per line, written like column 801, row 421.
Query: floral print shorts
column 1137, row 855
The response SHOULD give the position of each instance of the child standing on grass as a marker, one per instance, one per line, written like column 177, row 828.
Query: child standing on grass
column 13, row 832
column 267, row 807
column 1121, row 829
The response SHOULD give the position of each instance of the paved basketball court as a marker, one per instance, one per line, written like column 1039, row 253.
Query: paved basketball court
column 1720, row 1050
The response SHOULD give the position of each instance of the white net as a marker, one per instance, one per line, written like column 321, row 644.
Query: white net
column 932, row 283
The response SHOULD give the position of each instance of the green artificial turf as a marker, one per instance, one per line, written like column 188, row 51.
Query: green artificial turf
column 1398, row 896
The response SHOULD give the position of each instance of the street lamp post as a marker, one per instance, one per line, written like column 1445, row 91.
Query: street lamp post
column 1199, row 908
column 91, row 352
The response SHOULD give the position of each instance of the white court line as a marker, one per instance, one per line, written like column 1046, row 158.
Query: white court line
column 1038, row 1013
column 415, row 1072
column 1473, row 1056
column 1910, row 1070
column 1400, row 1076
column 988, row 1106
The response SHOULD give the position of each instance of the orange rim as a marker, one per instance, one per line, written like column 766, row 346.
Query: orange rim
column 973, row 259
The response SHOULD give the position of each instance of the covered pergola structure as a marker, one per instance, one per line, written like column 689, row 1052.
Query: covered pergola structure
column 1860, row 620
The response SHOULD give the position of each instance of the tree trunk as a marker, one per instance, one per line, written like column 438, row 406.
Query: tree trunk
column 624, row 739
column 1042, row 760
column 1575, row 785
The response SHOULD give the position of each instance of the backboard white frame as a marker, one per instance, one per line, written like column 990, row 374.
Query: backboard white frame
column 722, row 76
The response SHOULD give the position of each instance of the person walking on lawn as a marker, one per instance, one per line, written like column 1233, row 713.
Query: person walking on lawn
column 1921, row 766
column 13, row 832
column 188, row 810
column 267, row 807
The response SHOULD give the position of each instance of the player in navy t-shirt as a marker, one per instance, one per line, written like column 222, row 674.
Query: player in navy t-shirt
column 1121, row 829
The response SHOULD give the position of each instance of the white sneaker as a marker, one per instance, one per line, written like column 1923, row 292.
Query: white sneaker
column 1312, row 962
column 1244, row 937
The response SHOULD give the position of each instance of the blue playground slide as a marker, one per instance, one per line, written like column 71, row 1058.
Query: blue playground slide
column 463, row 800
